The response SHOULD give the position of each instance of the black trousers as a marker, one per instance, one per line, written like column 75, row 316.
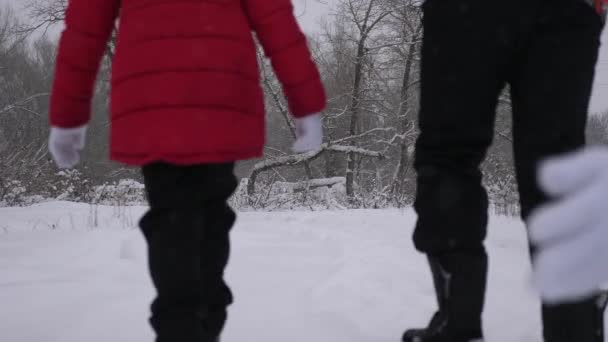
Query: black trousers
column 187, row 230
column 546, row 50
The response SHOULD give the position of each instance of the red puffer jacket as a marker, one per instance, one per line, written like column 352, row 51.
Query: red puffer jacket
column 185, row 80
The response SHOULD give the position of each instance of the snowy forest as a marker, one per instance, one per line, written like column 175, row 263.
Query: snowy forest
column 368, row 52
column 322, row 246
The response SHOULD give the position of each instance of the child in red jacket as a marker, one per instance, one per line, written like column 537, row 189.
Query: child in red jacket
column 186, row 104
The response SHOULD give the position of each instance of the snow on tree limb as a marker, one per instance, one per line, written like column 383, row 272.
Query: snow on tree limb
column 290, row 160
column 318, row 183
column 297, row 159
column 355, row 150
column 364, row 134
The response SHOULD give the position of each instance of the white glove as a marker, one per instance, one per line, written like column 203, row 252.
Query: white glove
column 572, row 233
column 309, row 134
column 65, row 145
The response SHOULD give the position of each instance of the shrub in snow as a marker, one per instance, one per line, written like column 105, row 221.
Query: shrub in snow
column 503, row 195
column 328, row 193
column 272, row 192
column 70, row 185
column 12, row 193
column 125, row 192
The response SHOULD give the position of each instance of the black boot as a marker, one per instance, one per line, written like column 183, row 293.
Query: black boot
column 460, row 281
column 581, row 322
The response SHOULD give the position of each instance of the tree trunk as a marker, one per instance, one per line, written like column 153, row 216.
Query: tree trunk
column 333, row 165
column 405, row 122
column 354, row 119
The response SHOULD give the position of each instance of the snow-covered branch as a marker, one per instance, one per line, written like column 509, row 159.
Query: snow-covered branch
column 355, row 150
column 293, row 160
column 318, row 183
column 364, row 134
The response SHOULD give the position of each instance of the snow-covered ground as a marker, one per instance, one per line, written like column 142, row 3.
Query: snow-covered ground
column 74, row 273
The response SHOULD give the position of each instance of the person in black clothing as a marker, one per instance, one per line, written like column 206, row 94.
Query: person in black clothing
column 546, row 51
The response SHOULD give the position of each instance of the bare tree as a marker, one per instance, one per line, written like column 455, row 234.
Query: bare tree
column 25, row 81
column 44, row 14
column 405, row 23
column 366, row 17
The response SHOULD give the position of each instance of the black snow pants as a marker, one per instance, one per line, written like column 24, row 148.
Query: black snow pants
column 187, row 230
column 546, row 51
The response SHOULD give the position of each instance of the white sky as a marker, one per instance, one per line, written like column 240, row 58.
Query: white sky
column 310, row 11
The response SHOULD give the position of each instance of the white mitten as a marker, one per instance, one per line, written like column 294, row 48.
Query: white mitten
column 572, row 233
column 309, row 134
column 65, row 145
